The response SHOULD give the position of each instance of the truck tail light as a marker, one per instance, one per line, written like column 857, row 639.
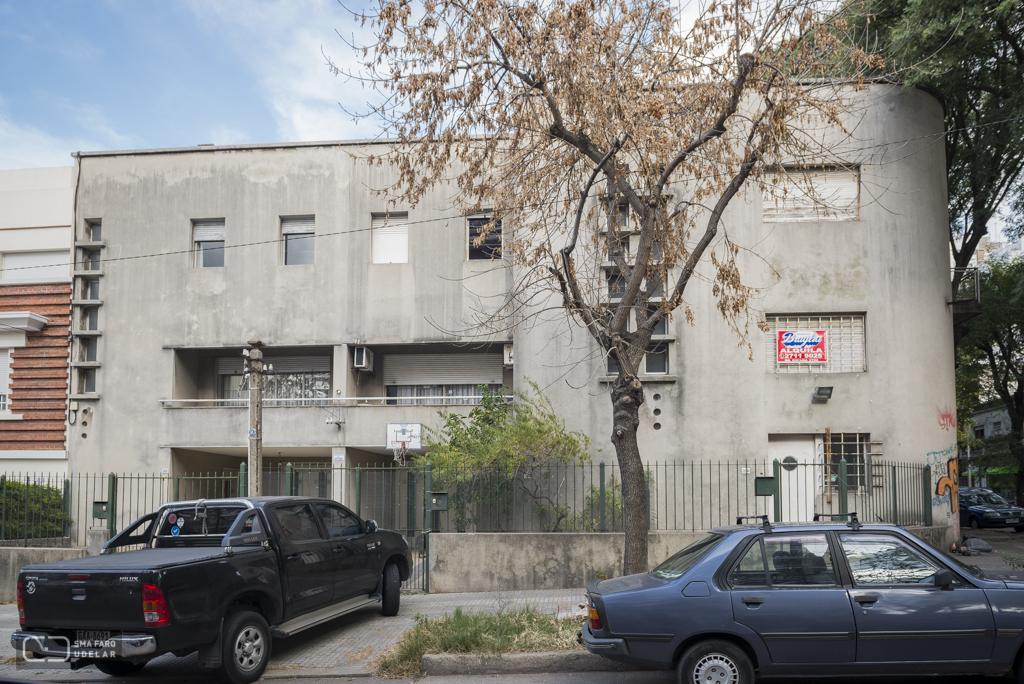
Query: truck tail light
column 21, row 605
column 595, row 620
column 154, row 606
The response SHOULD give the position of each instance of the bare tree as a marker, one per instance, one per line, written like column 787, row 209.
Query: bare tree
column 581, row 122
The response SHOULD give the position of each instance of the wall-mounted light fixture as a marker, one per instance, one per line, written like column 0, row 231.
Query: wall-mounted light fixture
column 821, row 395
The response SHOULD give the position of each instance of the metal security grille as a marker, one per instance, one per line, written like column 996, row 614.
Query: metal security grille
column 846, row 344
column 854, row 447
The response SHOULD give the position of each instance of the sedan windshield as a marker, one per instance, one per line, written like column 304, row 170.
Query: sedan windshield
column 684, row 560
column 987, row 499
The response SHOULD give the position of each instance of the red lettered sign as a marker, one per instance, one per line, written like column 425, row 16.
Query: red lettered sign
column 802, row 346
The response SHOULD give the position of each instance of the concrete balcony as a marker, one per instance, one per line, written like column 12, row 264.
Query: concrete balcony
column 350, row 421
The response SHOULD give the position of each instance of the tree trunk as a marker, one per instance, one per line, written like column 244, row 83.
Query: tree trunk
column 627, row 396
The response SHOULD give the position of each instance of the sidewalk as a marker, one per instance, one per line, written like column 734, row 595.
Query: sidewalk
column 345, row 647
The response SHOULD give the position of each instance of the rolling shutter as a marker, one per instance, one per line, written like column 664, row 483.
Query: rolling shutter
column 391, row 239
column 208, row 231
column 230, row 366
column 442, row 369
column 810, row 195
column 34, row 265
column 301, row 224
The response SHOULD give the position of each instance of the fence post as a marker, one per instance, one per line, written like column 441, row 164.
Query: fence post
column 895, row 498
column 66, row 509
column 289, row 481
column 647, row 492
column 24, row 526
column 426, row 558
column 359, row 493
column 112, row 504
column 600, row 471
column 243, row 480
column 926, row 493
column 777, row 473
column 844, row 489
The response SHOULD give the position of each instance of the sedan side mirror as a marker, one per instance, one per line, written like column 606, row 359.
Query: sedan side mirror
column 371, row 527
column 944, row 579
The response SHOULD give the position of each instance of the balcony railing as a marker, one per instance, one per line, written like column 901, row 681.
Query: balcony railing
column 330, row 401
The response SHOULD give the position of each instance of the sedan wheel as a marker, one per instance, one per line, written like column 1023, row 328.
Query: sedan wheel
column 975, row 525
column 715, row 662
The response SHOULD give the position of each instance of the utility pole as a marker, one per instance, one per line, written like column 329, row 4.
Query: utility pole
column 254, row 373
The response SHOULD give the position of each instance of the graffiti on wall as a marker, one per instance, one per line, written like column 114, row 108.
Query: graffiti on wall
column 949, row 485
column 947, row 418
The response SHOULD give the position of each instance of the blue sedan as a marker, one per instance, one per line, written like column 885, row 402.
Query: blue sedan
column 809, row 599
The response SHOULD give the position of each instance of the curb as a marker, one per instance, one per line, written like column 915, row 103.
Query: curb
column 521, row 663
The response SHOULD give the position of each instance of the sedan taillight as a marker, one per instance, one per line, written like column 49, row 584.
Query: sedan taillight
column 21, row 605
column 154, row 606
column 595, row 619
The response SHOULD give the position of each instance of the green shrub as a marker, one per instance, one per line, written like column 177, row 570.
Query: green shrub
column 43, row 515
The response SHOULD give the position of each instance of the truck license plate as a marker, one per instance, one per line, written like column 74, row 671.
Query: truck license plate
column 1012, row 521
column 91, row 638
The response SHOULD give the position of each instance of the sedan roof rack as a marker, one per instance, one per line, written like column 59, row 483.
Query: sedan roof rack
column 854, row 522
column 765, row 525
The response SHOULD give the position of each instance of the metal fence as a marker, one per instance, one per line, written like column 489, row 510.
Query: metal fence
column 53, row 510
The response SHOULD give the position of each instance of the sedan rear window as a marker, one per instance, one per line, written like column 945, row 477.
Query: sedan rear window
column 684, row 560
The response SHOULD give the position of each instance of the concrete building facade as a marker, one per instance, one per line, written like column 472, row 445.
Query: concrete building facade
column 35, row 308
column 187, row 254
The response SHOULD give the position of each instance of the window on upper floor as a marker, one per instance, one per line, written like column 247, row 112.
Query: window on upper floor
column 90, row 288
column 89, row 345
column 455, row 378
column 92, row 319
column 5, row 381
column 299, row 235
column 997, row 427
column 390, row 241
column 286, row 377
column 87, row 380
column 36, row 265
column 208, row 239
column 93, row 231
column 822, row 343
column 979, row 432
column 811, row 195
column 484, row 241
column 655, row 361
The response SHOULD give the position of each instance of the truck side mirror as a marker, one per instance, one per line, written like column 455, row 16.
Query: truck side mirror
column 944, row 579
column 371, row 526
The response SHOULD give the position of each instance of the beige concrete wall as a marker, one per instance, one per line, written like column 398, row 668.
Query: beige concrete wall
column 12, row 560
column 941, row 537
column 522, row 561
column 34, row 198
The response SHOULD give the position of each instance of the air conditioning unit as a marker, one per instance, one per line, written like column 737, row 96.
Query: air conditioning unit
column 508, row 356
column 363, row 359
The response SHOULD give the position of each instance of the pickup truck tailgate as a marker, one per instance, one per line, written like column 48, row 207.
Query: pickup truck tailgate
column 82, row 600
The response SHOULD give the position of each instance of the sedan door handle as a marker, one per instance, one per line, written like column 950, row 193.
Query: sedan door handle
column 866, row 598
column 753, row 600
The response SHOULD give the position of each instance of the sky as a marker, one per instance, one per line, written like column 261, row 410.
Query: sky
column 129, row 74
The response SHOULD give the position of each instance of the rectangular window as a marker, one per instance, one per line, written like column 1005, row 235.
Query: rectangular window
column 208, row 238
column 390, row 238
column 299, row 237
column 90, row 260
column 619, row 246
column 616, row 286
column 825, row 343
column 89, row 381
column 94, row 231
column 997, row 427
column 656, row 360
column 91, row 289
column 659, row 287
column 979, row 433
column 92, row 319
column 89, row 349
column 5, row 381
column 854, row 447
column 662, row 327
column 432, row 395
column 484, row 238
column 37, row 265
column 622, row 216
column 811, row 195
column 613, row 365
column 291, row 377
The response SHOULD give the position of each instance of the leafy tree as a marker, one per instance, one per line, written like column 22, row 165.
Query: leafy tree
column 578, row 122
column 972, row 53
column 501, row 449
column 997, row 337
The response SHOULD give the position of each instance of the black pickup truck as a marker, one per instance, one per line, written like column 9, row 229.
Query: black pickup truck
column 221, row 577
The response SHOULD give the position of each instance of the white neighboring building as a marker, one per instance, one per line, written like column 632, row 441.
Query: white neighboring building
column 35, row 309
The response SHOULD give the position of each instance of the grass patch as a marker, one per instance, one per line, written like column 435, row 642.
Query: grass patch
column 521, row 631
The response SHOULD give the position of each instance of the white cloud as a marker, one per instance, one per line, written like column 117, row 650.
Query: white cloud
column 282, row 41
column 24, row 147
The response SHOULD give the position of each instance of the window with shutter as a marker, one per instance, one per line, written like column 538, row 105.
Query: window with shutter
column 37, row 265
column 299, row 238
column 811, row 195
column 208, row 238
column 390, row 244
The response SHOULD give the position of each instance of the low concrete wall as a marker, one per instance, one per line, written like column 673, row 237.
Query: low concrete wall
column 13, row 558
column 511, row 561
column 941, row 538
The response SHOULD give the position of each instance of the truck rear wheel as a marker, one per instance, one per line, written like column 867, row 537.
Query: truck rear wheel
column 391, row 590
column 246, row 643
column 119, row 668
